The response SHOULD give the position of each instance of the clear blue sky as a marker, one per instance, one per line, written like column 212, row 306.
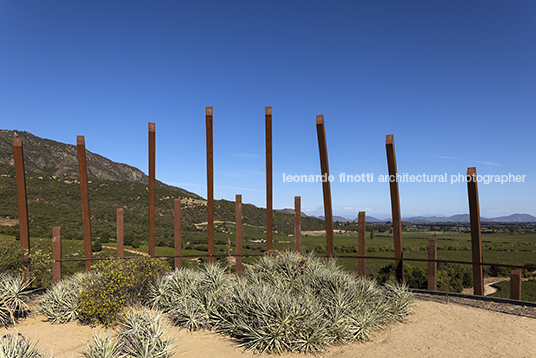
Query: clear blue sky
column 454, row 81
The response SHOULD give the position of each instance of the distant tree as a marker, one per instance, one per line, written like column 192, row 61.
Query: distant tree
column 372, row 234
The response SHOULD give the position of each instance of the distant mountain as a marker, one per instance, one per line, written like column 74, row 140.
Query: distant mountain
column 336, row 218
column 289, row 211
column 372, row 219
column 464, row 218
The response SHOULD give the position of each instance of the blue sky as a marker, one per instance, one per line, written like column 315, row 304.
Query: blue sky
column 454, row 81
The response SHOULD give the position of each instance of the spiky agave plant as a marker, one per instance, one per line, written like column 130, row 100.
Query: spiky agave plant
column 13, row 298
column 60, row 303
column 15, row 345
column 103, row 346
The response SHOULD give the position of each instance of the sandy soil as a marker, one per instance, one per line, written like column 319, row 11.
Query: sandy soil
column 433, row 330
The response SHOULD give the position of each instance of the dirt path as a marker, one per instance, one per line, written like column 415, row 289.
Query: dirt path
column 433, row 330
column 128, row 250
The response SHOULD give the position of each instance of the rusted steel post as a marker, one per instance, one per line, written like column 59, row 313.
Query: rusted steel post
column 152, row 195
column 269, row 179
column 22, row 201
column 238, row 231
column 515, row 285
column 84, row 190
column 361, row 247
column 476, row 239
column 56, row 254
column 395, row 206
column 297, row 223
column 326, row 187
column 120, row 234
column 210, row 186
column 178, row 234
column 432, row 265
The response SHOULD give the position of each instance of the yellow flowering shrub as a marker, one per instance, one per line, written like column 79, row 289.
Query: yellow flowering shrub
column 117, row 283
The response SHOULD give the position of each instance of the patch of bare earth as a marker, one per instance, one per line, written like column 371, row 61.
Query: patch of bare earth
column 434, row 329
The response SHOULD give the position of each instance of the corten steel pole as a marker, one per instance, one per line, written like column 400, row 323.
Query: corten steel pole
column 120, row 233
column 432, row 266
column 56, row 254
column 178, row 235
column 238, row 230
column 210, row 186
column 297, row 223
column 361, row 248
column 152, row 195
column 326, row 187
column 476, row 239
column 84, row 190
column 20, row 178
column 395, row 206
column 515, row 285
column 269, row 180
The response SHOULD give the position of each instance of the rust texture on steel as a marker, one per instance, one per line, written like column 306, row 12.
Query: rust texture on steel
column 269, row 179
column 326, row 187
column 395, row 206
column 210, row 186
column 177, row 233
column 152, row 194
column 432, row 265
column 22, row 201
column 297, row 223
column 476, row 238
column 238, row 241
column 120, row 233
column 361, row 247
column 84, row 191
column 515, row 285
column 56, row 254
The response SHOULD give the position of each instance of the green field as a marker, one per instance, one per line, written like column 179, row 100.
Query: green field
column 528, row 290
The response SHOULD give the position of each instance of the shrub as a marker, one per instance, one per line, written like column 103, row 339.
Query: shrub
column 141, row 334
column 17, row 346
column 60, row 303
column 13, row 298
column 116, row 283
column 96, row 246
column 12, row 257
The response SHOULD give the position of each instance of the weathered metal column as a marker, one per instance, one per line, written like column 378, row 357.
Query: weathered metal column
column 395, row 206
column 152, row 194
column 22, row 201
column 84, row 190
column 515, row 285
column 269, row 180
column 178, row 234
column 297, row 223
column 56, row 254
column 432, row 265
column 238, row 231
column 120, row 233
column 210, row 186
column 476, row 239
column 361, row 248
column 326, row 187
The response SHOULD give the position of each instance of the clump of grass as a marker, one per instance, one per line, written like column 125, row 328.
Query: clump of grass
column 142, row 334
column 287, row 302
column 13, row 298
column 17, row 346
column 117, row 283
column 60, row 303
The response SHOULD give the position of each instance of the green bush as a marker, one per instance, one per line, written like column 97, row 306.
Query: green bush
column 96, row 246
column 115, row 284
column 12, row 256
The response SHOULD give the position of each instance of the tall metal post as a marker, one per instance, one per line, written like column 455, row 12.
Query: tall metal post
column 515, row 285
column 22, row 201
column 476, row 238
column 432, row 265
column 361, row 248
column 84, row 191
column 152, row 194
column 269, row 180
column 238, row 241
column 395, row 206
column 120, row 233
column 326, row 187
column 178, row 234
column 297, row 223
column 210, row 186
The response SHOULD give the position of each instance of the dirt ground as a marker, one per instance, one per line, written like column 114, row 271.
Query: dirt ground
column 433, row 330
